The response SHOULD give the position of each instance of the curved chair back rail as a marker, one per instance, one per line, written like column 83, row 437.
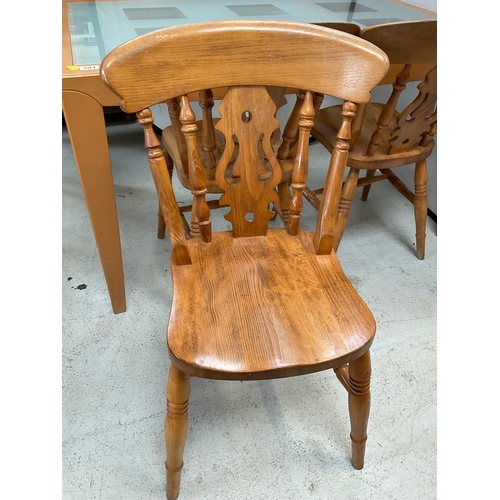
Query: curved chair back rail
column 227, row 53
column 407, row 42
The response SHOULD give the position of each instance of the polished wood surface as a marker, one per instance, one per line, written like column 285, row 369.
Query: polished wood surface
column 388, row 138
column 254, row 303
column 294, row 58
column 268, row 317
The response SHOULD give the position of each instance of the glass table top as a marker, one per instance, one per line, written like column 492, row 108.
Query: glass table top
column 97, row 27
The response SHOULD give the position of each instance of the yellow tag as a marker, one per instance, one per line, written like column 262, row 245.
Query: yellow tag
column 73, row 67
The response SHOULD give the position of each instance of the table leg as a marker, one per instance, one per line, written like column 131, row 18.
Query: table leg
column 87, row 132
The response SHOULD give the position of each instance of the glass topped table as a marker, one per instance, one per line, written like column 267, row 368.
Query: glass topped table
column 91, row 29
column 98, row 27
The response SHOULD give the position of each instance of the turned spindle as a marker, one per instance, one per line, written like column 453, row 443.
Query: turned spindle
column 163, row 184
column 208, row 144
column 300, row 166
column 328, row 233
column 197, row 177
column 287, row 140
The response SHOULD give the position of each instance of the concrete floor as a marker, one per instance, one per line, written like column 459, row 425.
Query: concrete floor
column 271, row 440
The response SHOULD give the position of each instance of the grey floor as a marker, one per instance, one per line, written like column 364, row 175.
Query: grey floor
column 282, row 439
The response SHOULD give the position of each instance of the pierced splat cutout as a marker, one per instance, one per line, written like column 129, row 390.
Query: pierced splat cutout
column 248, row 120
column 418, row 115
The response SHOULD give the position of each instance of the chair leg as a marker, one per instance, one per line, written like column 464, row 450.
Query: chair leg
column 359, row 406
column 366, row 189
column 176, row 424
column 346, row 197
column 420, row 206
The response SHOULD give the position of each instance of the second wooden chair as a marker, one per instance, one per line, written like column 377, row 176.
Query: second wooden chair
column 388, row 138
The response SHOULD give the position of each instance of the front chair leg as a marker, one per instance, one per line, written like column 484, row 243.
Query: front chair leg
column 420, row 206
column 359, row 406
column 176, row 424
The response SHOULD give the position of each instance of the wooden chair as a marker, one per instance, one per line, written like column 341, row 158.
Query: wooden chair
column 211, row 141
column 387, row 138
column 253, row 303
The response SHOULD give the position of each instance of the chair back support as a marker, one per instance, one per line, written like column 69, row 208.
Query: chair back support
column 210, row 142
column 406, row 42
column 246, row 57
column 412, row 48
column 206, row 103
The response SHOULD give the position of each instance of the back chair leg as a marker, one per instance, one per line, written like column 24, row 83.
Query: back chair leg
column 366, row 189
column 359, row 406
column 420, row 206
column 176, row 425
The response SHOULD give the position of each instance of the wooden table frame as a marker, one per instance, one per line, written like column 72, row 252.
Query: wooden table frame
column 84, row 96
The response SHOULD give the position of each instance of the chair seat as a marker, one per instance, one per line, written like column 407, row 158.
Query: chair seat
column 255, row 308
column 329, row 119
